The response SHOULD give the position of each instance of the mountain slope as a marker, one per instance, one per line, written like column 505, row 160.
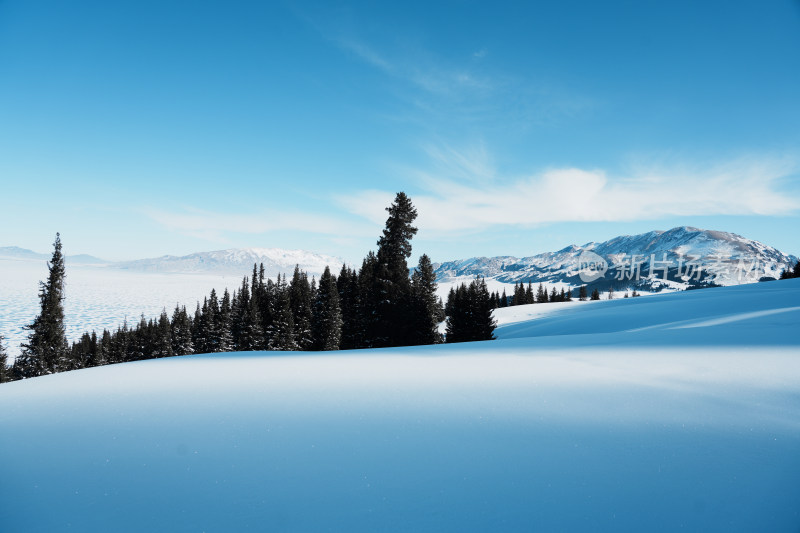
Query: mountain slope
column 691, row 256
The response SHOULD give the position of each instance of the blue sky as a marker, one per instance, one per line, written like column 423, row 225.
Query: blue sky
column 144, row 128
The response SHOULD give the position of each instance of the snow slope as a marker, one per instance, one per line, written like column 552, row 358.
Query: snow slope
column 612, row 429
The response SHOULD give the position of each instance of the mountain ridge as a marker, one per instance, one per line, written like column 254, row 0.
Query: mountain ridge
column 718, row 258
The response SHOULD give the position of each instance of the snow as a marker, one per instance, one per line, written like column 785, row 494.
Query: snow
column 594, row 423
column 98, row 298
column 730, row 259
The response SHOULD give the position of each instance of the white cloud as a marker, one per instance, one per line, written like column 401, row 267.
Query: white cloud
column 450, row 203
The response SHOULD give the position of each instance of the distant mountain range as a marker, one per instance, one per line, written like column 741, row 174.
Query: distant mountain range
column 238, row 261
column 235, row 261
column 22, row 254
column 680, row 258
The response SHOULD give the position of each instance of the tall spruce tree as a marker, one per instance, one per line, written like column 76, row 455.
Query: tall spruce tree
column 181, row 333
column 281, row 334
column 300, row 302
column 426, row 308
column 392, row 283
column 224, row 323
column 327, row 318
column 347, row 285
column 47, row 350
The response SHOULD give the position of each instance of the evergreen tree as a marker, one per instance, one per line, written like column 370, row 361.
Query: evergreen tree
column 582, row 293
column 392, row 285
column 796, row 270
column 281, row 334
column 225, row 323
column 504, row 299
column 47, row 349
column 529, row 293
column 200, row 328
column 554, row 295
column 611, row 293
column 595, row 295
column 104, row 349
column 327, row 318
column 471, row 318
column 211, row 322
column 181, row 333
column 426, row 307
column 347, row 285
column 369, row 300
column 300, row 302
column 562, row 297
column 163, row 341
column 5, row 370
column 541, row 294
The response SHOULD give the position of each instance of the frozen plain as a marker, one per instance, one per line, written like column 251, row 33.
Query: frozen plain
column 675, row 412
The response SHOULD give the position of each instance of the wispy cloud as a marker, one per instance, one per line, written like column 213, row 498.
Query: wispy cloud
column 218, row 227
column 744, row 186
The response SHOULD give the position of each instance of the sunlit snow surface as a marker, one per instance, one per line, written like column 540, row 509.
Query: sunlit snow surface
column 676, row 412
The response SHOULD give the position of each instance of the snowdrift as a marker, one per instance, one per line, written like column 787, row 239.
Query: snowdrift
column 652, row 414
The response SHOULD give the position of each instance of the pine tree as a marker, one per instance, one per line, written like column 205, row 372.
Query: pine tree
column 104, row 349
column 529, row 293
column 327, row 318
column 163, row 341
column 582, row 293
column 5, row 370
column 426, row 306
column 541, row 295
column 796, row 270
column 300, row 302
column 504, row 299
column 225, row 323
column 392, row 285
column 211, row 319
column 369, row 300
column 595, row 295
column 281, row 334
column 611, row 293
column 554, row 295
column 200, row 328
column 347, row 285
column 471, row 318
column 181, row 332
column 47, row 349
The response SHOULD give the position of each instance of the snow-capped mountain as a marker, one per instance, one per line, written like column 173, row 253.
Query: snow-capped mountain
column 15, row 253
column 237, row 261
column 688, row 256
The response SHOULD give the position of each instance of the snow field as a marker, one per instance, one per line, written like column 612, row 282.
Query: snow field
column 600, row 431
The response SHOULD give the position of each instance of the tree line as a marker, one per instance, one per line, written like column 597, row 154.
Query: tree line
column 382, row 304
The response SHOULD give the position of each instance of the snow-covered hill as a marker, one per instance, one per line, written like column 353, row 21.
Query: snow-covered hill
column 238, row 261
column 593, row 424
column 689, row 257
